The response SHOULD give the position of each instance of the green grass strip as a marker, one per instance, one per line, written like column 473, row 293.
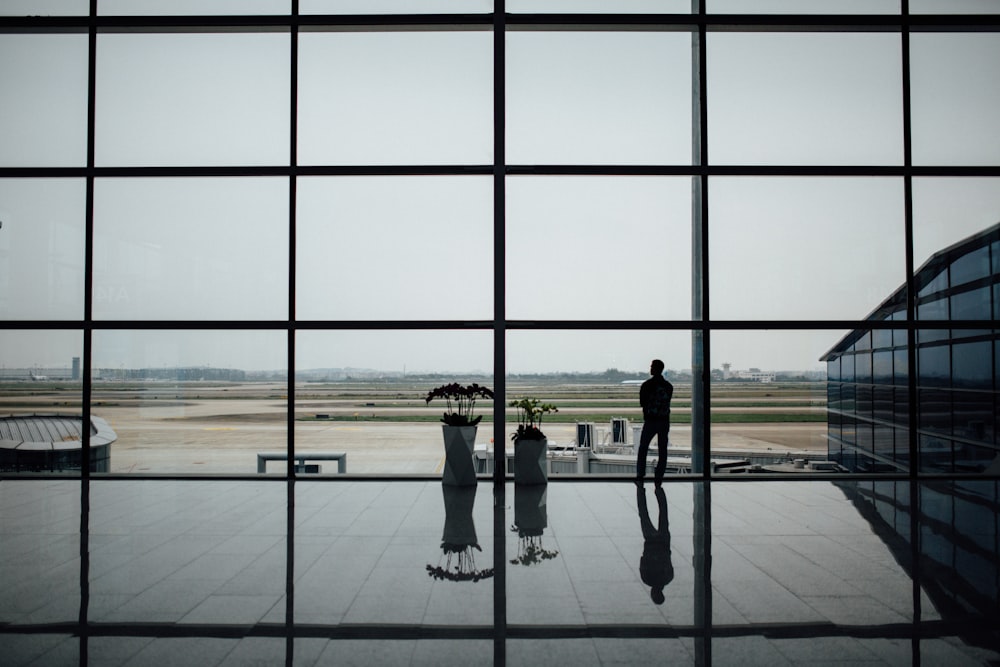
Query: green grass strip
column 679, row 418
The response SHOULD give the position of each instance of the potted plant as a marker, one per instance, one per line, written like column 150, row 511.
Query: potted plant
column 530, row 444
column 459, row 430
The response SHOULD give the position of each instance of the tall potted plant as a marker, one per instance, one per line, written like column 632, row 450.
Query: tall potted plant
column 459, row 430
column 530, row 444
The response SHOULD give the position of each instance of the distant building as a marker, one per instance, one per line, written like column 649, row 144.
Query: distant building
column 956, row 371
column 752, row 375
column 36, row 374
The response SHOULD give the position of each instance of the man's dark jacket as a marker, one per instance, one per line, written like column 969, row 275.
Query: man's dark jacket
column 654, row 397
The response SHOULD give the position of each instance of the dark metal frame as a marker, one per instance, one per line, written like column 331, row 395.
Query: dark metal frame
column 698, row 23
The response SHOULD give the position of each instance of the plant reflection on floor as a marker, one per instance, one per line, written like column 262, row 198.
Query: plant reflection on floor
column 459, row 542
column 530, row 550
column 530, row 520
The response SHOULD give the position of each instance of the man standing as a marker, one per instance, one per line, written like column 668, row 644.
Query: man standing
column 654, row 397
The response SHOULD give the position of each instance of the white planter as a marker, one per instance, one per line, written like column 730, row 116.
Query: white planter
column 531, row 461
column 459, row 467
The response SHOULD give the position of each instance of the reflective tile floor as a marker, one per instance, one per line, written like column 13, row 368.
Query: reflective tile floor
column 569, row 573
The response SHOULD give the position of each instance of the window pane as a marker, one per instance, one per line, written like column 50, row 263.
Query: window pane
column 770, row 405
column 847, row 368
column 192, row 99
column 395, row 6
column 973, row 421
column 932, row 310
column 44, row 100
column 793, row 98
column 396, row 98
column 191, row 7
column 41, row 557
column 882, row 405
column 934, row 366
column 41, row 248
column 882, row 367
column 395, row 248
column 599, row 6
column 971, row 266
column 833, row 371
column 362, row 393
column 594, row 378
column 191, row 401
column 789, row 566
column 40, row 395
column 935, row 412
column 435, row 540
column 598, row 98
column 953, row 7
column 198, row 248
column 550, row 549
column 584, row 247
column 955, row 94
column 947, row 211
column 900, row 369
column 803, row 7
column 778, row 246
column 972, row 305
column 972, row 365
column 932, row 280
column 882, row 338
column 863, row 366
column 45, row 8
column 178, row 553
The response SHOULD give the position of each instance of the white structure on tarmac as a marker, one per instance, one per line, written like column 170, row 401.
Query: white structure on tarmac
column 52, row 442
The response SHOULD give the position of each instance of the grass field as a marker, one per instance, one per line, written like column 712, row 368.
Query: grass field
column 386, row 427
column 403, row 401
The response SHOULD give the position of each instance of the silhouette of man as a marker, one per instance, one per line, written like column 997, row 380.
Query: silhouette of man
column 654, row 397
column 655, row 566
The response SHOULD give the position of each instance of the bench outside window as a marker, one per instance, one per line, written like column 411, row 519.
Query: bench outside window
column 301, row 458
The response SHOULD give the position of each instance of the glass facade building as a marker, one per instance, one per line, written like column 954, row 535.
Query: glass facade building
column 230, row 229
column 955, row 371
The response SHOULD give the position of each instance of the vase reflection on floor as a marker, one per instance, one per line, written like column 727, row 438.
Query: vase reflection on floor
column 459, row 542
column 530, row 521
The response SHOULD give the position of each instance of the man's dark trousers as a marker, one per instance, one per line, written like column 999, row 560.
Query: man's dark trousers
column 661, row 429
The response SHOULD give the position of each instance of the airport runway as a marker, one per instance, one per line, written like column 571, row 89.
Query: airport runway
column 213, row 433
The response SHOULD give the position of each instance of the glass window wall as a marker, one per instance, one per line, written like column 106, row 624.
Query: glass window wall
column 246, row 240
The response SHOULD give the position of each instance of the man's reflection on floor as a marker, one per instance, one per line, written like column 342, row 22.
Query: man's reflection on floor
column 655, row 567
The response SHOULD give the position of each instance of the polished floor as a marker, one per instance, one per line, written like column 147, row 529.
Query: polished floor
column 188, row 572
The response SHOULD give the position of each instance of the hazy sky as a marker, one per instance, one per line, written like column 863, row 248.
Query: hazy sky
column 601, row 248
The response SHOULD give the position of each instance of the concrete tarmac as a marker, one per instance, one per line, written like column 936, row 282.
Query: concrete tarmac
column 209, row 432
